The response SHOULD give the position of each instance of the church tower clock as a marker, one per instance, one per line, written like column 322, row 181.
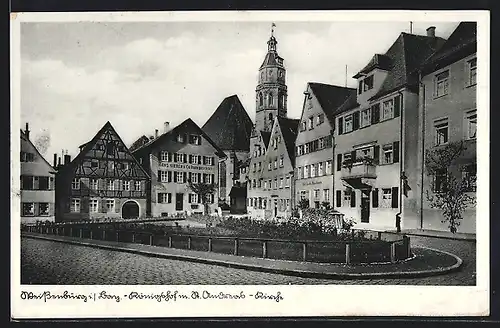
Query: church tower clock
column 271, row 91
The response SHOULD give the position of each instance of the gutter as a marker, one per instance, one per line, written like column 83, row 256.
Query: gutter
column 422, row 107
column 401, row 164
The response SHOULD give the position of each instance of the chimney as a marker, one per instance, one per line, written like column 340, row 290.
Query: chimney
column 67, row 159
column 59, row 161
column 166, row 127
column 55, row 160
column 156, row 133
column 27, row 131
column 431, row 31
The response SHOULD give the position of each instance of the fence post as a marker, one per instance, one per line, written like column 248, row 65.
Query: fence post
column 71, row 231
column 189, row 242
column 236, row 246
column 91, row 234
column 151, row 239
column 347, row 253
column 81, row 233
column 170, row 241
column 379, row 235
column 133, row 236
column 304, row 252
column 264, row 249
column 393, row 252
column 209, row 244
column 408, row 246
column 117, row 236
column 104, row 235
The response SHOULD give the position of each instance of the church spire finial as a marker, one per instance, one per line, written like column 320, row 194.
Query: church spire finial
column 272, row 29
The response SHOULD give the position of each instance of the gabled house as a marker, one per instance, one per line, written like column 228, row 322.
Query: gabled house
column 229, row 127
column 182, row 154
column 37, row 183
column 448, row 114
column 376, row 140
column 103, row 181
column 314, row 142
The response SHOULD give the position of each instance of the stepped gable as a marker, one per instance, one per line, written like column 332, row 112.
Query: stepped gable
column 230, row 126
column 289, row 129
column 331, row 97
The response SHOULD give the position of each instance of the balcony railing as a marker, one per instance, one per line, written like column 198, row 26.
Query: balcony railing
column 359, row 170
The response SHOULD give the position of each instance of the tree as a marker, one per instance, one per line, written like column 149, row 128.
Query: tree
column 303, row 204
column 450, row 194
column 42, row 142
column 202, row 190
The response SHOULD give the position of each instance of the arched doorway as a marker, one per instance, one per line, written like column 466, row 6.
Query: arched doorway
column 130, row 210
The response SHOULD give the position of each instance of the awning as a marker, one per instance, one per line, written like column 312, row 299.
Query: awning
column 359, row 183
column 238, row 191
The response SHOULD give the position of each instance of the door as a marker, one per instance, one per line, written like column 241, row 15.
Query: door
column 179, row 202
column 275, row 208
column 365, row 209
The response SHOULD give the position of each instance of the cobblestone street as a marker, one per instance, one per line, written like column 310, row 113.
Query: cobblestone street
column 47, row 262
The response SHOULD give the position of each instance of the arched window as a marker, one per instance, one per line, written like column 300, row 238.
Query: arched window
column 269, row 99
column 261, row 100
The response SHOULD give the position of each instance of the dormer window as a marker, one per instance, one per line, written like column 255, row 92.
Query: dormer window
column 365, row 84
column 180, row 138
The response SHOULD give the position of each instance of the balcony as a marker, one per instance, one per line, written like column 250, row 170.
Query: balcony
column 358, row 170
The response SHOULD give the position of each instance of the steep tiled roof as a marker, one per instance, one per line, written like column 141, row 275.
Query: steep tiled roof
column 330, row 97
column 181, row 126
column 271, row 59
column 142, row 140
column 350, row 103
column 462, row 42
column 289, row 128
column 378, row 61
column 266, row 136
column 406, row 54
column 230, row 126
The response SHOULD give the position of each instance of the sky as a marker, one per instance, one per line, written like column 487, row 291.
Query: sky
column 76, row 76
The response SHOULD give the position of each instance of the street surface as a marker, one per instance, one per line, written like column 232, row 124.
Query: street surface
column 47, row 262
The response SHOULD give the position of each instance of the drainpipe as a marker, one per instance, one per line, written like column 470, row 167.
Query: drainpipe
column 401, row 163
column 422, row 106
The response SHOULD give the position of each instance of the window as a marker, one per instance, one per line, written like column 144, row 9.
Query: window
column 320, row 169
column 110, row 148
column 75, row 184
column 164, row 198
column 472, row 70
column 440, row 177
column 27, row 157
column 388, row 109
column 316, row 193
column 364, row 152
column 306, row 171
column 125, row 165
column 300, row 150
column 441, row 84
column 93, row 205
column 43, row 209
column 43, row 183
column 126, row 185
column 194, row 177
column 365, row 117
column 193, row 198
column 210, row 178
column 164, row 156
column 287, row 182
column 111, row 184
column 300, row 172
column 281, row 183
column 195, row 139
column 304, row 194
column 368, row 83
column 471, row 124
column 194, row 159
column 275, row 164
column 94, row 184
column 281, row 160
column 329, row 167
column 110, row 205
column 269, row 166
column 210, row 198
column 320, row 119
column 259, row 166
column 441, row 131
column 387, row 157
column 210, row 160
column 180, row 177
column 386, row 198
column 75, row 205
column 94, row 163
column 181, row 138
column 28, row 209
column 254, row 166
column 348, row 124
column 111, row 165
column 26, row 182
column 303, row 126
column 163, row 176
column 347, row 198
column 326, row 195
column 313, row 170
column 265, row 184
column 469, row 177
column 310, row 123
column 137, row 185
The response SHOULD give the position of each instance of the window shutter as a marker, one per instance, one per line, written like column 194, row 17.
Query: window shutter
column 339, row 162
column 159, row 176
column 190, row 178
column 189, row 198
column 341, row 125
column 185, row 158
column 175, row 176
column 190, row 159
column 395, row 151
column 376, row 154
column 375, row 197
column 360, row 87
column 394, row 197
column 200, row 158
column 397, row 106
column 338, row 198
column 184, row 177
column 170, row 157
column 355, row 121
column 353, row 198
column 375, row 113
column 169, row 176
column 175, row 158
column 213, row 178
column 353, row 156
column 200, row 177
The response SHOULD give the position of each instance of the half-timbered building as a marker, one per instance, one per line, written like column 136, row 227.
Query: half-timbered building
column 103, row 181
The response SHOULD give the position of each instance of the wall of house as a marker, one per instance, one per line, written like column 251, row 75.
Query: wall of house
column 255, row 193
column 460, row 99
column 169, row 144
column 230, row 167
column 34, row 166
column 312, row 108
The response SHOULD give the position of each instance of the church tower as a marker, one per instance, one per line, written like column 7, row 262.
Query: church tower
column 271, row 91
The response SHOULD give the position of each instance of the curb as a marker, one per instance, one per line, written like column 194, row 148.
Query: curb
column 432, row 236
column 289, row 272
